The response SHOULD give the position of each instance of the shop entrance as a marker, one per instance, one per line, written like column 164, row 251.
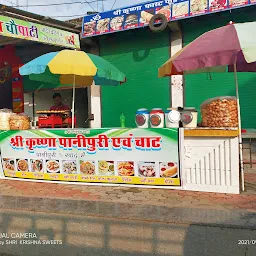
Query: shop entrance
column 11, row 95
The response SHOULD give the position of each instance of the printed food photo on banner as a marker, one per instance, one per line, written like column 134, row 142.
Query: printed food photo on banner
column 53, row 166
column 216, row 5
column 166, row 11
column 131, row 21
column 180, row 9
column 125, row 168
column 87, row 167
column 69, row 167
column 116, row 23
column 147, row 169
column 89, row 28
column 145, row 16
column 22, row 165
column 106, row 168
column 168, row 169
column 103, row 26
column 234, row 3
column 36, row 165
column 198, row 6
column 8, row 164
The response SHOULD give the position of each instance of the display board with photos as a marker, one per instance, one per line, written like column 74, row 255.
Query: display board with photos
column 118, row 156
column 139, row 15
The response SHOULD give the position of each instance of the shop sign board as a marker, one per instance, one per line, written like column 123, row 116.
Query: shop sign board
column 27, row 30
column 118, row 156
column 139, row 15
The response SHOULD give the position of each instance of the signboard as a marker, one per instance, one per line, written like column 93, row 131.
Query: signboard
column 119, row 156
column 139, row 15
column 36, row 32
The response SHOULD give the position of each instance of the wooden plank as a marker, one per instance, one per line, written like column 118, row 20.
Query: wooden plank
column 210, row 133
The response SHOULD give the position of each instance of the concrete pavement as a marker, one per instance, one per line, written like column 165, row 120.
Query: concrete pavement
column 111, row 221
column 137, row 196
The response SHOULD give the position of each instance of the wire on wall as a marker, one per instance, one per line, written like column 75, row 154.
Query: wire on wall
column 113, row 5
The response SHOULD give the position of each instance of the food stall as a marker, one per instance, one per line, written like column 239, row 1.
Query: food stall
column 179, row 158
column 158, row 153
column 167, row 150
column 145, row 157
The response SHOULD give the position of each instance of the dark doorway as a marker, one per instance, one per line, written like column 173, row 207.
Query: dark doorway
column 5, row 88
column 81, row 107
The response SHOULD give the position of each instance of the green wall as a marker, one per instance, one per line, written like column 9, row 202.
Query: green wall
column 201, row 87
column 138, row 53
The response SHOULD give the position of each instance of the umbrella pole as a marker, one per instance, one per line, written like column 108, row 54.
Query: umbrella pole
column 239, row 127
column 33, row 107
column 73, row 102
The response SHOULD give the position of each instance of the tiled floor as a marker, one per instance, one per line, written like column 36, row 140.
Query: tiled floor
column 140, row 196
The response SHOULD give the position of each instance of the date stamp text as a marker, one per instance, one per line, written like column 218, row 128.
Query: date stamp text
column 247, row 242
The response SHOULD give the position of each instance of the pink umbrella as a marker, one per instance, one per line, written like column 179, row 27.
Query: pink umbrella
column 215, row 51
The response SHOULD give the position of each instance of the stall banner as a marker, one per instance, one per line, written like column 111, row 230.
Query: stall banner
column 36, row 32
column 125, row 156
column 139, row 15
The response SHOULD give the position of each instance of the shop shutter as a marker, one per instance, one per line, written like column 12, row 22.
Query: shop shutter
column 138, row 53
column 202, row 86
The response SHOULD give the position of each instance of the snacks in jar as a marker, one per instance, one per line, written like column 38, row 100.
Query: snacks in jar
column 5, row 115
column 19, row 122
column 220, row 112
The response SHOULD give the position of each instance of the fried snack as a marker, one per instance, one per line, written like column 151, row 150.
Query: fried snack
column 19, row 122
column 220, row 112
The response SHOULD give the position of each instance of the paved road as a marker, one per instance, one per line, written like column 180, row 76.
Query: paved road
column 121, row 221
column 100, row 236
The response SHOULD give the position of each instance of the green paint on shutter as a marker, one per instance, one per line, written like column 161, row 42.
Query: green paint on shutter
column 201, row 87
column 138, row 53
